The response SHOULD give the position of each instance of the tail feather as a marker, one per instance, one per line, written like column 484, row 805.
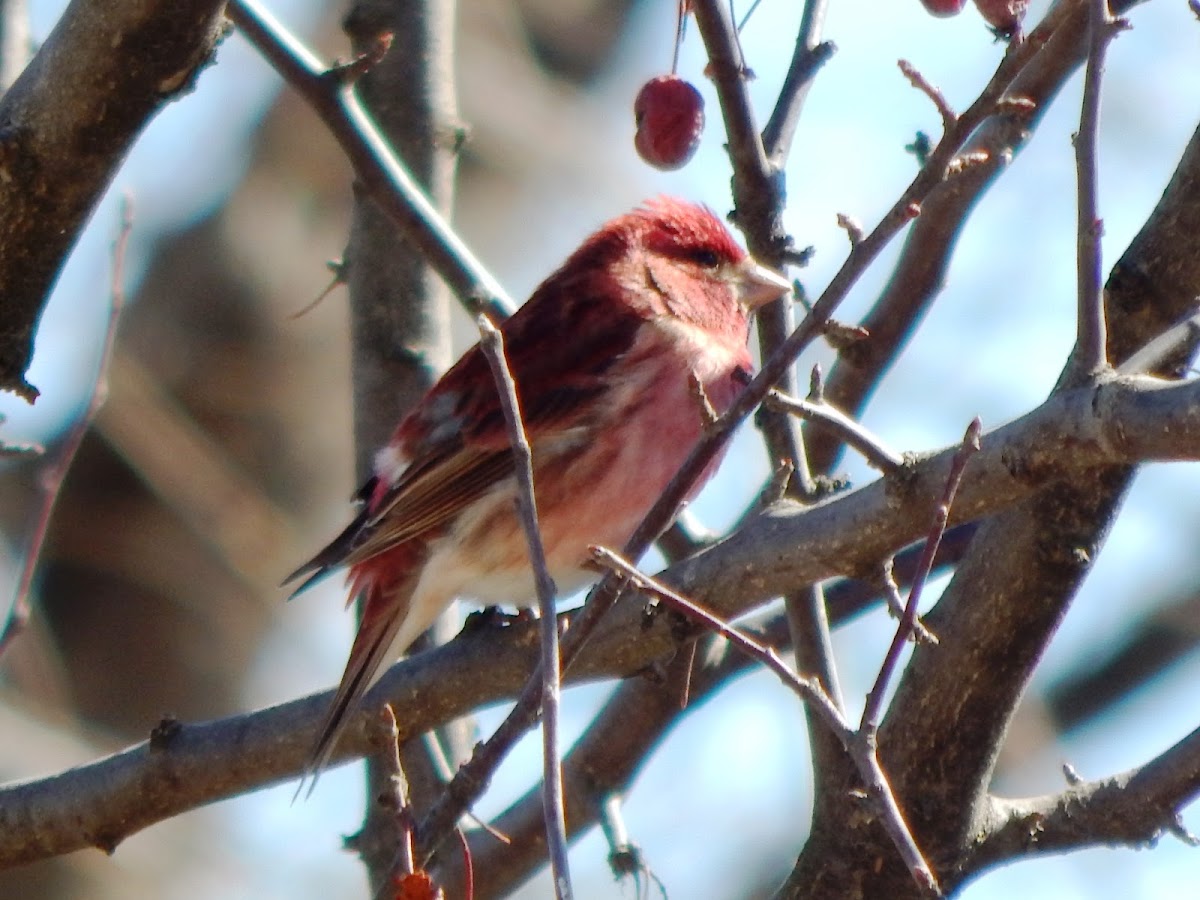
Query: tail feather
column 330, row 556
column 382, row 616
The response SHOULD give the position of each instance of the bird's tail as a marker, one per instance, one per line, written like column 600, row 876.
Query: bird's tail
column 384, row 611
column 333, row 554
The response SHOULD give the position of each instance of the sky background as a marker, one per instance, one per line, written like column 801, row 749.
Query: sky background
column 727, row 793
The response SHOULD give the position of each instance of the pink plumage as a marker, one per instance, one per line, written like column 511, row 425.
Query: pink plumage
column 619, row 358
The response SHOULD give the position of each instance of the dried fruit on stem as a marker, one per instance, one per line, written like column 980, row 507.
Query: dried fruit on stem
column 669, row 113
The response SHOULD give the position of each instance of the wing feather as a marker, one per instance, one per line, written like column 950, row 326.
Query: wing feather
column 559, row 354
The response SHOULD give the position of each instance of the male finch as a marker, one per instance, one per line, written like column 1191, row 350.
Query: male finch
column 619, row 358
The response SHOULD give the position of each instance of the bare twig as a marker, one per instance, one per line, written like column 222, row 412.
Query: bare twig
column 907, row 626
column 1165, row 348
column 1134, row 808
column 893, row 599
column 860, row 745
column 852, row 227
column 338, row 269
column 805, row 688
column 808, row 56
column 1007, row 125
column 386, row 737
column 1091, row 340
column 917, row 80
column 876, row 453
column 55, row 469
column 759, row 198
column 624, row 856
column 472, row 777
column 389, row 184
column 756, row 193
column 346, row 73
column 491, row 342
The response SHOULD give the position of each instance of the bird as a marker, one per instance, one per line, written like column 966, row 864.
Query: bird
column 620, row 359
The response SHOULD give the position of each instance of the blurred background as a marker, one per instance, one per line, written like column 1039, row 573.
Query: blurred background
column 223, row 457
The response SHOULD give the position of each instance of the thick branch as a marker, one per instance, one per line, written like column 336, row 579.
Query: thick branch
column 1025, row 567
column 1134, row 808
column 66, row 125
column 187, row 766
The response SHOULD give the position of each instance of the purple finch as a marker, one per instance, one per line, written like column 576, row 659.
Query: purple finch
column 620, row 359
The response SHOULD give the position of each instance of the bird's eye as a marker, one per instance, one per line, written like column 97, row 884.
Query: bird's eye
column 709, row 259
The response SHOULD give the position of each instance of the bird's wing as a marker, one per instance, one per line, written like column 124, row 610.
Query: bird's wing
column 560, row 381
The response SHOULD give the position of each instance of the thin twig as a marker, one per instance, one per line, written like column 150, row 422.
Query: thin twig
column 51, row 478
column 807, row 689
column 919, row 81
column 808, row 56
column 492, row 345
column 860, row 745
column 346, row 73
column 874, row 704
column 876, row 453
column 387, row 738
column 473, row 777
column 624, row 856
column 922, row 267
column 330, row 94
column 759, row 199
column 1091, row 339
column 1175, row 340
column 754, row 176
column 852, row 227
column 893, row 599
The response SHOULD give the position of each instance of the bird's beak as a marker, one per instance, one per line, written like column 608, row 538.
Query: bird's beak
column 756, row 284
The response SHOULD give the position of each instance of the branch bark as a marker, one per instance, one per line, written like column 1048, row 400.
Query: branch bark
column 66, row 125
column 186, row 766
column 943, row 732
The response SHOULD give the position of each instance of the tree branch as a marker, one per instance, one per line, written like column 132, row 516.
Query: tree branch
column 552, row 788
column 102, row 803
column 1135, row 809
column 54, row 470
column 1057, row 46
column 65, row 126
column 1090, row 343
column 389, row 185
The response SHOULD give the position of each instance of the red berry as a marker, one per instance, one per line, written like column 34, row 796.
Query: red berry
column 943, row 8
column 1003, row 15
column 669, row 113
